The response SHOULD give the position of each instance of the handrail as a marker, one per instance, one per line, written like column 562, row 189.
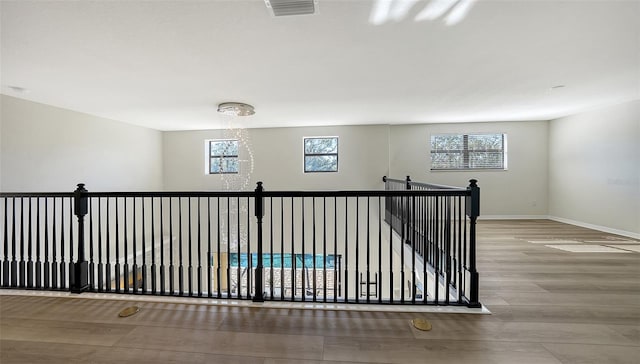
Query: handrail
column 170, row 242
column 409, row 182
column 280, row 193
column 36, row 194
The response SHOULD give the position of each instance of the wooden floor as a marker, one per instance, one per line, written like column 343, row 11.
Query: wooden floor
column 548, row 306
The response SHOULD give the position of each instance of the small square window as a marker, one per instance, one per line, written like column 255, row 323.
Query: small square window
column 321, row 154
column 223, row 156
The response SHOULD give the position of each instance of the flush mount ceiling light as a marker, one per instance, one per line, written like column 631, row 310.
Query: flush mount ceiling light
column 236, row 109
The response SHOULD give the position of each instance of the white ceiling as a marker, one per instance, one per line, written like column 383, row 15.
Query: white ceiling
column 167, row 64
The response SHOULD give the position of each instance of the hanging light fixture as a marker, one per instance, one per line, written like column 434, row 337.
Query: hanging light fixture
column 236, row 109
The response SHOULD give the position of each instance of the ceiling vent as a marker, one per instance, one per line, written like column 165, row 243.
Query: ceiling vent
column 291, row 7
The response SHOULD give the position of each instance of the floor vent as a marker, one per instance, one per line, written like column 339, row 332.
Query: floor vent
column 291, row 7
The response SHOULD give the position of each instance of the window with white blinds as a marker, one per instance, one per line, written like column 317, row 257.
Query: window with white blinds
column 468, row 151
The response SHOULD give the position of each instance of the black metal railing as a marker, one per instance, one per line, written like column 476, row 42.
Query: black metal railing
column 316, row 246
column 440, row 230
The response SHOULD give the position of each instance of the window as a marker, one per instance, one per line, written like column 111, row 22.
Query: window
column 321, row 154
column 468, row 151
column 223, row 156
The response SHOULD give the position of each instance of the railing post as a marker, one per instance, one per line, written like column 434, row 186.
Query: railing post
column 80, row 281
column 259, row 210
column 473, row 211
column 405, row 212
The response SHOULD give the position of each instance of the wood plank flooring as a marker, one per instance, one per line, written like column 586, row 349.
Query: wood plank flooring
column 548, row 306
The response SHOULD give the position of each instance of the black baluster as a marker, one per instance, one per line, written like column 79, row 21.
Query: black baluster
column 135, row 249
column 368, row 249
column 154, row 278
column 54, row 263
column 30, row 249
column 357, row 276
column 282, row 263
column 436, row 255
column 324, row 249
column 117, row 248
column 46, row 283
column 391, row 211
column 21, row 264
column 209, row 252
column 145, row 278
column 404, row 211
column 229, row 248
column 72, row 269
column 190, row 252
column 239, row 250
column 271, row 248
column 313, row 254
column 92, row 282
column 335, row 249
column 100, row 263
column 219, row 262
column 447, row 248
column 108, row 252
column 162, row 265
column 346, row 249
column 199, row 253
column 249, row 254
column 126, row 250
column 380, row 276
column 413, row 249
column 460, row 250
column 63, row 274
column 38, row 263
column 304, row 260
column 5, row 264
column 181, row 267
column 171, row 268
column 293, row 255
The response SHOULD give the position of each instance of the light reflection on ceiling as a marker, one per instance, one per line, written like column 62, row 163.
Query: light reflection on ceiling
column 452, row 11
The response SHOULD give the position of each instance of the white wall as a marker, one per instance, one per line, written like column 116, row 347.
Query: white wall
column 594, row 168
column 582, row 169
column 369, row 152
column 45, row 148
column 1, row 146
column 278, row 159
column 520, row 191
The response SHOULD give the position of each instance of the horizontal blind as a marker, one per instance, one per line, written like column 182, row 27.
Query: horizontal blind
column 468, row 151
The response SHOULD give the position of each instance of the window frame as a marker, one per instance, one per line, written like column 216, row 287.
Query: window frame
column 305, row 154
column 210, row 157
column 466, row 152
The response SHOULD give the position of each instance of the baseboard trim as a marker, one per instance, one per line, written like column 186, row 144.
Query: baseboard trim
column 513, row 217
column 595, row 227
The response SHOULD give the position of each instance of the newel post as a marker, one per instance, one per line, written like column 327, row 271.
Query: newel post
column 406, row 209
column 473, row 211
column 81, row 268
column 259, row 210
